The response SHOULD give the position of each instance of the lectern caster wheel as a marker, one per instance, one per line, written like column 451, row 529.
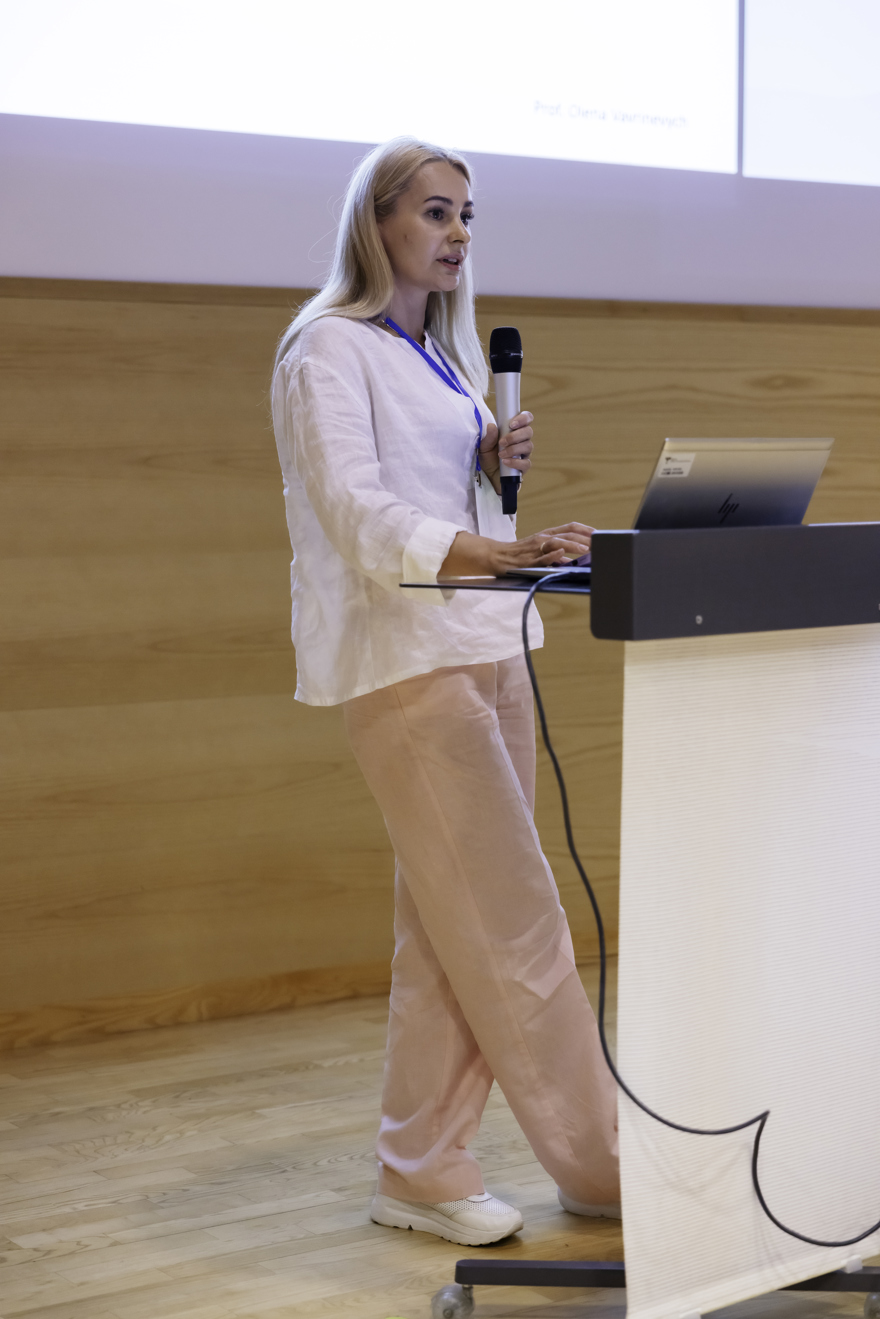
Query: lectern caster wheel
column 457, row 1302
column 872, row 1306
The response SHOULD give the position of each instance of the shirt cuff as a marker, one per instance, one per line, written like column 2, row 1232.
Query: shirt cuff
column 427, row 548
column 423, row 558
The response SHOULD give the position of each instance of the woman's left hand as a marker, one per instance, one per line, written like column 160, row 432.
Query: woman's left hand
column 513, row 449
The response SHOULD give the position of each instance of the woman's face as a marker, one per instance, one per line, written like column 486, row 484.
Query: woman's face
column 427, row 235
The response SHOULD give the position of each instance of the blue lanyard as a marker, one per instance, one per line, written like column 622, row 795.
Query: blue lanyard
column 448, row 376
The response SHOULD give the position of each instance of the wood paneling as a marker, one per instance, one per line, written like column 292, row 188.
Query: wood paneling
column 171, row 817
column 77, row 1022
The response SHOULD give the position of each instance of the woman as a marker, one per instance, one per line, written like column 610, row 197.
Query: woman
column 391, row 461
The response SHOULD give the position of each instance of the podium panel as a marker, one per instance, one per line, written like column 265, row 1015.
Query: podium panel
column 749, row 974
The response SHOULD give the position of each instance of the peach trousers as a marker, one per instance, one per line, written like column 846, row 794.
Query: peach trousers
column 484, row 983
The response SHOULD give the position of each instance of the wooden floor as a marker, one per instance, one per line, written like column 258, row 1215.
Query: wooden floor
column 225, row 1169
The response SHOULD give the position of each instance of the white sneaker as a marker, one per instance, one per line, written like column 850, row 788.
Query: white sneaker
column 476, row 1221
column 610, row 1210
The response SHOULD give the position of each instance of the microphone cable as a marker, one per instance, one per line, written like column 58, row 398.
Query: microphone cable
column 759, row 1121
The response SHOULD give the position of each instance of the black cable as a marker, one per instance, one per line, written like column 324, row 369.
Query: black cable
column 760, row 1121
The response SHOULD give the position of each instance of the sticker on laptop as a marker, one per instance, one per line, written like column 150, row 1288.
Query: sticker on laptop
column 676, row 464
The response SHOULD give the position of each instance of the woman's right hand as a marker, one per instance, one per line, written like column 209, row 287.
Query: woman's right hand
column 478, row 556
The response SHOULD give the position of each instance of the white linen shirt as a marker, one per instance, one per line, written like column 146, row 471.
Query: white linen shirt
column 378, row 458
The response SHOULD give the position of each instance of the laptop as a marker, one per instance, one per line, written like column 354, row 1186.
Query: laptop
column 726, row 483
column 732, row 483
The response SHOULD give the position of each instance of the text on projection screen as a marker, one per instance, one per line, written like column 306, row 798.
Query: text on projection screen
column 637, row 82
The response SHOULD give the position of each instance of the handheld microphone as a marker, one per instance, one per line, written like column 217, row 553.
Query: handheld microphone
column 506, row 356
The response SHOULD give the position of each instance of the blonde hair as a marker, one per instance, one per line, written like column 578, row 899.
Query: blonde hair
column 360, row 284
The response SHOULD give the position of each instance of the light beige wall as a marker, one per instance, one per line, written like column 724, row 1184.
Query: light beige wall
column 180, row 838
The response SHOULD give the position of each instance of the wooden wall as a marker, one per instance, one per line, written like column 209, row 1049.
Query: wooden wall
column 180, row 838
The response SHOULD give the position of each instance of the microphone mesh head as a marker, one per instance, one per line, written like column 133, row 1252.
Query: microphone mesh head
column 505, row 349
